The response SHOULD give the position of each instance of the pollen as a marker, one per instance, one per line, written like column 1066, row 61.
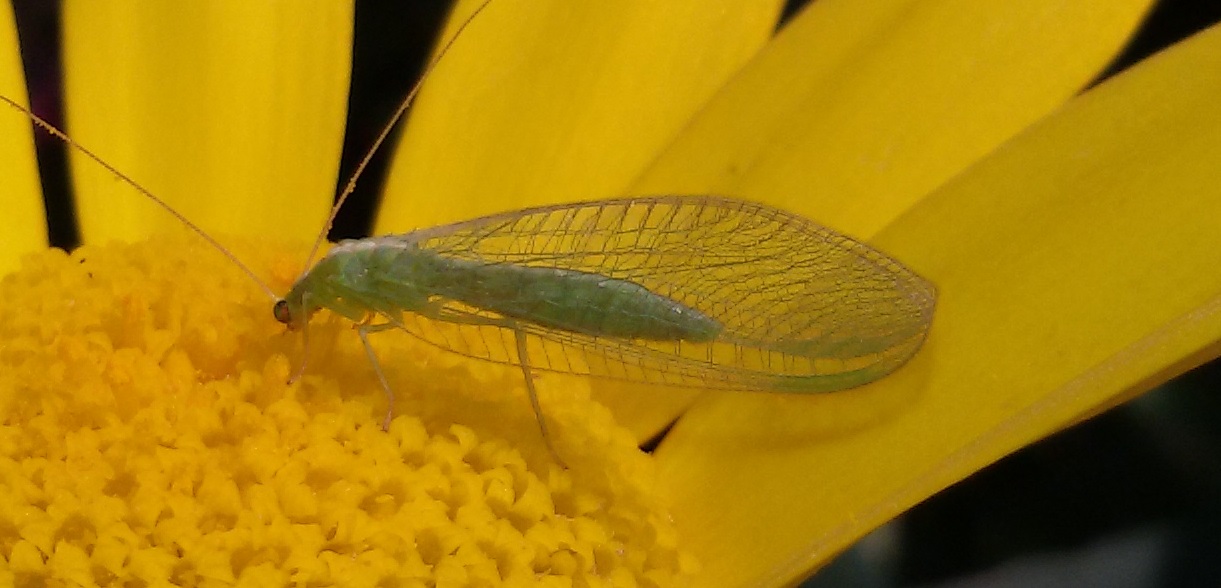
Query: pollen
column 149, row 435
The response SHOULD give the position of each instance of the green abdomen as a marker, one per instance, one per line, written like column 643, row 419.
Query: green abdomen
column 574, row 301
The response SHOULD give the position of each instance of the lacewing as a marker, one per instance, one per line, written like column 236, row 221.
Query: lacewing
column 695, row 291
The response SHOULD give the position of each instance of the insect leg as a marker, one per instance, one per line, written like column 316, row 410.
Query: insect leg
column 519, row 337
column 524, row 360
column 363, row 329
column 438, row 312
column 304, row 345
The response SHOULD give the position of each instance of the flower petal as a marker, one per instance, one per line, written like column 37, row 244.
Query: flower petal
column 1076, row 267
column 558, row 101
column 23, row 223
column 857, row 110
column 231, row 111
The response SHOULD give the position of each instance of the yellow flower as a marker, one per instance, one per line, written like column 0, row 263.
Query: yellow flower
column 939, row 131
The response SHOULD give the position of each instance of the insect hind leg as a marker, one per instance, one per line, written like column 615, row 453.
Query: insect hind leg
column 524, row 360
column 441, row 313
column 363, row 330
column 438, row 312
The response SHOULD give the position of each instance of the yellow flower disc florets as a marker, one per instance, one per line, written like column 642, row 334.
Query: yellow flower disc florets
column 149, row 437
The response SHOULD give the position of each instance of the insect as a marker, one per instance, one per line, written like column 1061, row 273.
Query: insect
column 694, row 291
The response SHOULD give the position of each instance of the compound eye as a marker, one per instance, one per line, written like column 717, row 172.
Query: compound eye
column 282, row 313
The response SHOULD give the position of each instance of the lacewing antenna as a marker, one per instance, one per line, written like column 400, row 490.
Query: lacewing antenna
column 350, row 186
column 62, row 136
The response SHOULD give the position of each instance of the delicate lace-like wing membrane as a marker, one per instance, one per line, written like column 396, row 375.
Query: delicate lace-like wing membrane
column 803, row 308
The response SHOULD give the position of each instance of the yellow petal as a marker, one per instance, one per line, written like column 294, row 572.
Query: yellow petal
column 1076, row 268
column 556, row 101
column 23, row 223
column 856, row 110
column 231, row 111
column 859, row 109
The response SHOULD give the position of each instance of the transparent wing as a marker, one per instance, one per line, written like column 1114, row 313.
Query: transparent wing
column 803, row 308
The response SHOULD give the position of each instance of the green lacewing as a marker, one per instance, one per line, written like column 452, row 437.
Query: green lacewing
column 694, row 291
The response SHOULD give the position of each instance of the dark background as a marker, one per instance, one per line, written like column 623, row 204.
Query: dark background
column 1131, row 498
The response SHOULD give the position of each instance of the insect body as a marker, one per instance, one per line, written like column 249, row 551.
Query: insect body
column 389, row 275
column 687, row 290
